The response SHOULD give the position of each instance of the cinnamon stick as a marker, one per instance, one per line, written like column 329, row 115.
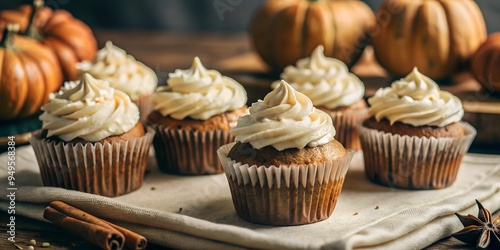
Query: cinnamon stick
column 132, row 239
column 104, row 237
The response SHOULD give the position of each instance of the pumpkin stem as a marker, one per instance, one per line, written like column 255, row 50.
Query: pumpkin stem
column 8, row 33
column 32, row 31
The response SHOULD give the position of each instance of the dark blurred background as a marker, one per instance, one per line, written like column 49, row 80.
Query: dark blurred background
column 189, row 15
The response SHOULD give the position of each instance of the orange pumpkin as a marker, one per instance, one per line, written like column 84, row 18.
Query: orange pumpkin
column 486, row 63
column 284, row 31
column 71, row 39
column 29, row 72
column 437, row 36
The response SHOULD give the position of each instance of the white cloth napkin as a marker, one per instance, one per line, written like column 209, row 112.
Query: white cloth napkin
column 197, row 211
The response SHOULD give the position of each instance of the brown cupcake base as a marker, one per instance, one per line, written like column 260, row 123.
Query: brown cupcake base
column 452, row 130
column 285, row 206
column 189, row 147
column 346, row 121
column 267, row 156
column 145, row 107
column 224, row 121
column 189, row 152
column 285, row 195
column 110, row 168
column 413, row 174
column 412, row 162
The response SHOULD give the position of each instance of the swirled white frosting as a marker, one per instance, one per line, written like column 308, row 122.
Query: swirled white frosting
column 284, row 119
column 122, row 71
column 416, row 100
column 89, row 109
column 198, row 93
column 327, row 81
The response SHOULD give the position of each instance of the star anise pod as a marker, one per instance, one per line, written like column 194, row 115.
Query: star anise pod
column 481, row 231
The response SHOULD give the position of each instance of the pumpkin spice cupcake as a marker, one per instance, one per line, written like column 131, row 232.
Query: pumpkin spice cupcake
column 333, row 89
column 415, row 139
column 285, row 167
column 192, row 117
column 124, row 73
column 91, row 140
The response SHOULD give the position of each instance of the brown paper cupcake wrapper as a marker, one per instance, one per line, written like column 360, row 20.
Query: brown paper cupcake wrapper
column 108, row 169
column 287, row 194
column 145, row 105
column 346, row 124
column 411, row 162
column 189, row 152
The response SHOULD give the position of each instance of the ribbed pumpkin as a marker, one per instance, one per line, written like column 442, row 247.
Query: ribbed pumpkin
column 437, row 36
column 29, row 72
column 284, row 31
column 71, row 39
column 485, row 65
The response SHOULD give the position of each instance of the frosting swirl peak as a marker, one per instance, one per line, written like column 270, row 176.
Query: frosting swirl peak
column 196, row 77
column 284, row 119
column 416, row 100
column 198, row 93
column 417, row 86
column 327, row 81
column 89, row 109
column 122, row 71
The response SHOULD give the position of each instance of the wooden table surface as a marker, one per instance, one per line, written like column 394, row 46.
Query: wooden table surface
column 231, row 55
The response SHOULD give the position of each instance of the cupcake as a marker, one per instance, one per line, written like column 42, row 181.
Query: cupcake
column 285, row 167
column 91, row 140
column 192, row 117
column 333, row 89
column 124, row 73
column 415, row 139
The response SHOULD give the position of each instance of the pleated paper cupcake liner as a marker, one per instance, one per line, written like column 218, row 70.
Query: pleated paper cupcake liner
column 145, row 105
column 189, row 152
column 411, row 162
column 287, row 194
column 346, row 124
column 108, row 169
